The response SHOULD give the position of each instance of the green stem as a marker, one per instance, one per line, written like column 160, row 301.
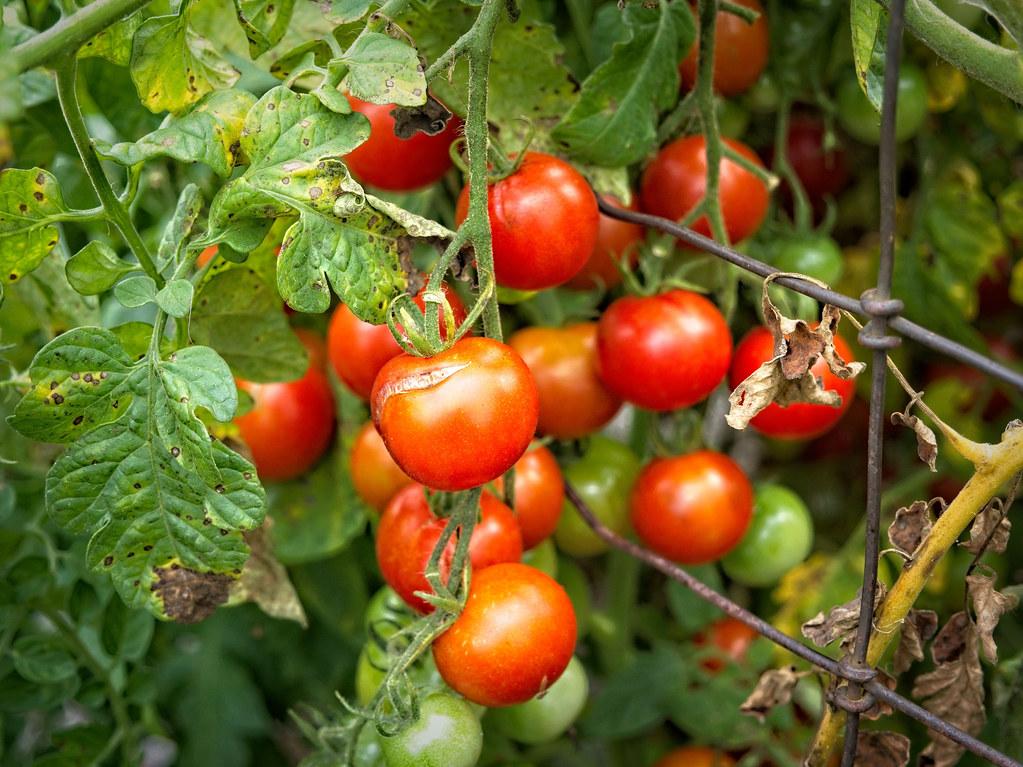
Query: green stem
column 708, row 12
column 622, row 584
column 803, row 213
column 67, row 77
column 69, row 34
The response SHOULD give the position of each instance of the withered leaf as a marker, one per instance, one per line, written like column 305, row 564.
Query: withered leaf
column 988, row 605
column 188, row 595
column 768, row 384
column 913, row 523
column 774, row 688
column 265, row 581
column 954, row 690
column 839, row 623
column 917, row 628
column 991, row 523
column 926, row 442
column 430, row 118
column 881, row 749
column 880, row 708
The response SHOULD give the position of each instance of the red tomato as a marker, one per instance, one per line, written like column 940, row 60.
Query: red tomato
column 359, row 349
column 544, row 221
column 573, row 400
column 695, row 756
column 676, row 180
column 801, row 421
column 458, row 419
column 512, row 641
column 388, row 162
column 290, row 425
column 374, row 473
column 615, row 238
column 315, row 347
column 409, row 531
column 820, row 172
column 740, row 52
column 731, row 637
column 692, row 508
column 539, row 495
column 663, row 352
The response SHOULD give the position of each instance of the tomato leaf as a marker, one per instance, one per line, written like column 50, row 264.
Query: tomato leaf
column 689, row 611
column 918, row 627
column 175, row 297
column 1009, row 15
column 264, row 580
column 30, row 206
column 882, row 749
column 988, row 605
column 135, row 291
column 176, row 231
column 384, row 70
column 43, row 659
column 1007, row 706
column 990, row 530
column 869, row 23
column 96, row 268
column 614, row 121
column 347, row 11
column 240, row 316
column 115, row 42
column 207, row 133
column 264, row 22
column 774, row 688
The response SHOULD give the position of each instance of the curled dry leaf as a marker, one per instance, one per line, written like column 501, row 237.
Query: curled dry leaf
column 880, row 708
column 989, row 606
column 918, row 627
column 990, row 530
column 430, row 118
column 774, row 688
column 913, row 523
column 840, row 622
column 265, row 581
column 881, row 749
column 926, row 442
column 954, row 690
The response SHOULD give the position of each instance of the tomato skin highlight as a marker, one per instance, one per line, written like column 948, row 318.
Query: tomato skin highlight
column 377, row 478
column 740, row 52
column 399, row 165
column 615, row 239
column 539, row 495
column 676, row 180
column 544, row 220
column 800, row 421
column 291, row 423
column 447, row 734
column 358, row 349
column 513, row 639
column 409, row 531
column 574, row 401
column 695, row 756
column 663, row 352
column 458, row 419
column 692, row 508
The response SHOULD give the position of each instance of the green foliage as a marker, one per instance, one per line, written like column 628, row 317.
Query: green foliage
column 264, row 22
column 95, row 268
column 30, row 205
column 385, row 71
column 869, row 39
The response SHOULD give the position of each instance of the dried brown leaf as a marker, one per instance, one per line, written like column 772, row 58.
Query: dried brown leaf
column 880, row 708
column 954, row 690
column 917, row 628
column 188, row 595
column 265, row 581
column 773, row 689
column 991, row 523
column 839, row 623
column 926, row 442
column 768, row 384
column 989, row 606
column 881, row 749
column 912, row 524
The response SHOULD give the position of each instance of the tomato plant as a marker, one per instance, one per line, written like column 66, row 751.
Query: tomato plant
column 740, row 52
column 447, row 734
column 375, row 475
column 779, row 538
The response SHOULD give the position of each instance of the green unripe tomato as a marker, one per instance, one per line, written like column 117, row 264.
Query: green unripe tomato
column 859, row 118
column 603, row 478
column 815, row 255
column 764, row 96
column 368, row 677
column 733, row 120
column 779, row 538
column 446, row 734
column 543, row 719
column 544, row 557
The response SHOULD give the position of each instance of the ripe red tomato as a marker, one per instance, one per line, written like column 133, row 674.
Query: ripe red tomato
column 359, row 349
column 544, row 221
column 409, row 531
column 801, row 421
column 820, row 172
column 615, row 238
column 374, row 473
column 458, row 419
column 730, row 636
column 574, row 401
column 539, row 495
column 692, row 508
column 290, row 425
column 676, row 180
column 695, row 756
column 740, row 52
column 663, row 352
column 400, row 165
column 512, row 641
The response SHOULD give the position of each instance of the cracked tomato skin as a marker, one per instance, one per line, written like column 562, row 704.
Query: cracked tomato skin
column 803, row 420
column 692, row 508
column 460, row 418
column 291, row 423
column 574, row 401
column 377, row 478
column 513, row 639
column 400, row 165
column 544, row 221
column 663, row 352
column 409, row 531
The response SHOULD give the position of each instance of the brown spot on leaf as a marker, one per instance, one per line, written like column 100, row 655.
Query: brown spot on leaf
column 78, row 420
column 108, row 560
column 57, row 399
column 189, row 596
column 38, row 196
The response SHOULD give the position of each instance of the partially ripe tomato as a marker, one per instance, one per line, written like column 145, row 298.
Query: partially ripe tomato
column 800, row 421
column 544, row 221
column 731, row 637
column 616, row 239
column 663, row 352
column 539, row 495
column 458, row 419
column 290, row 425
column 740, row 52
column 695, row 756
column 676, row 181
column 692, row 508
column 400, row 165
column 374, row 473
column 574, row 401
column 359, row 349
column 514, row 637
column 409, row 531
